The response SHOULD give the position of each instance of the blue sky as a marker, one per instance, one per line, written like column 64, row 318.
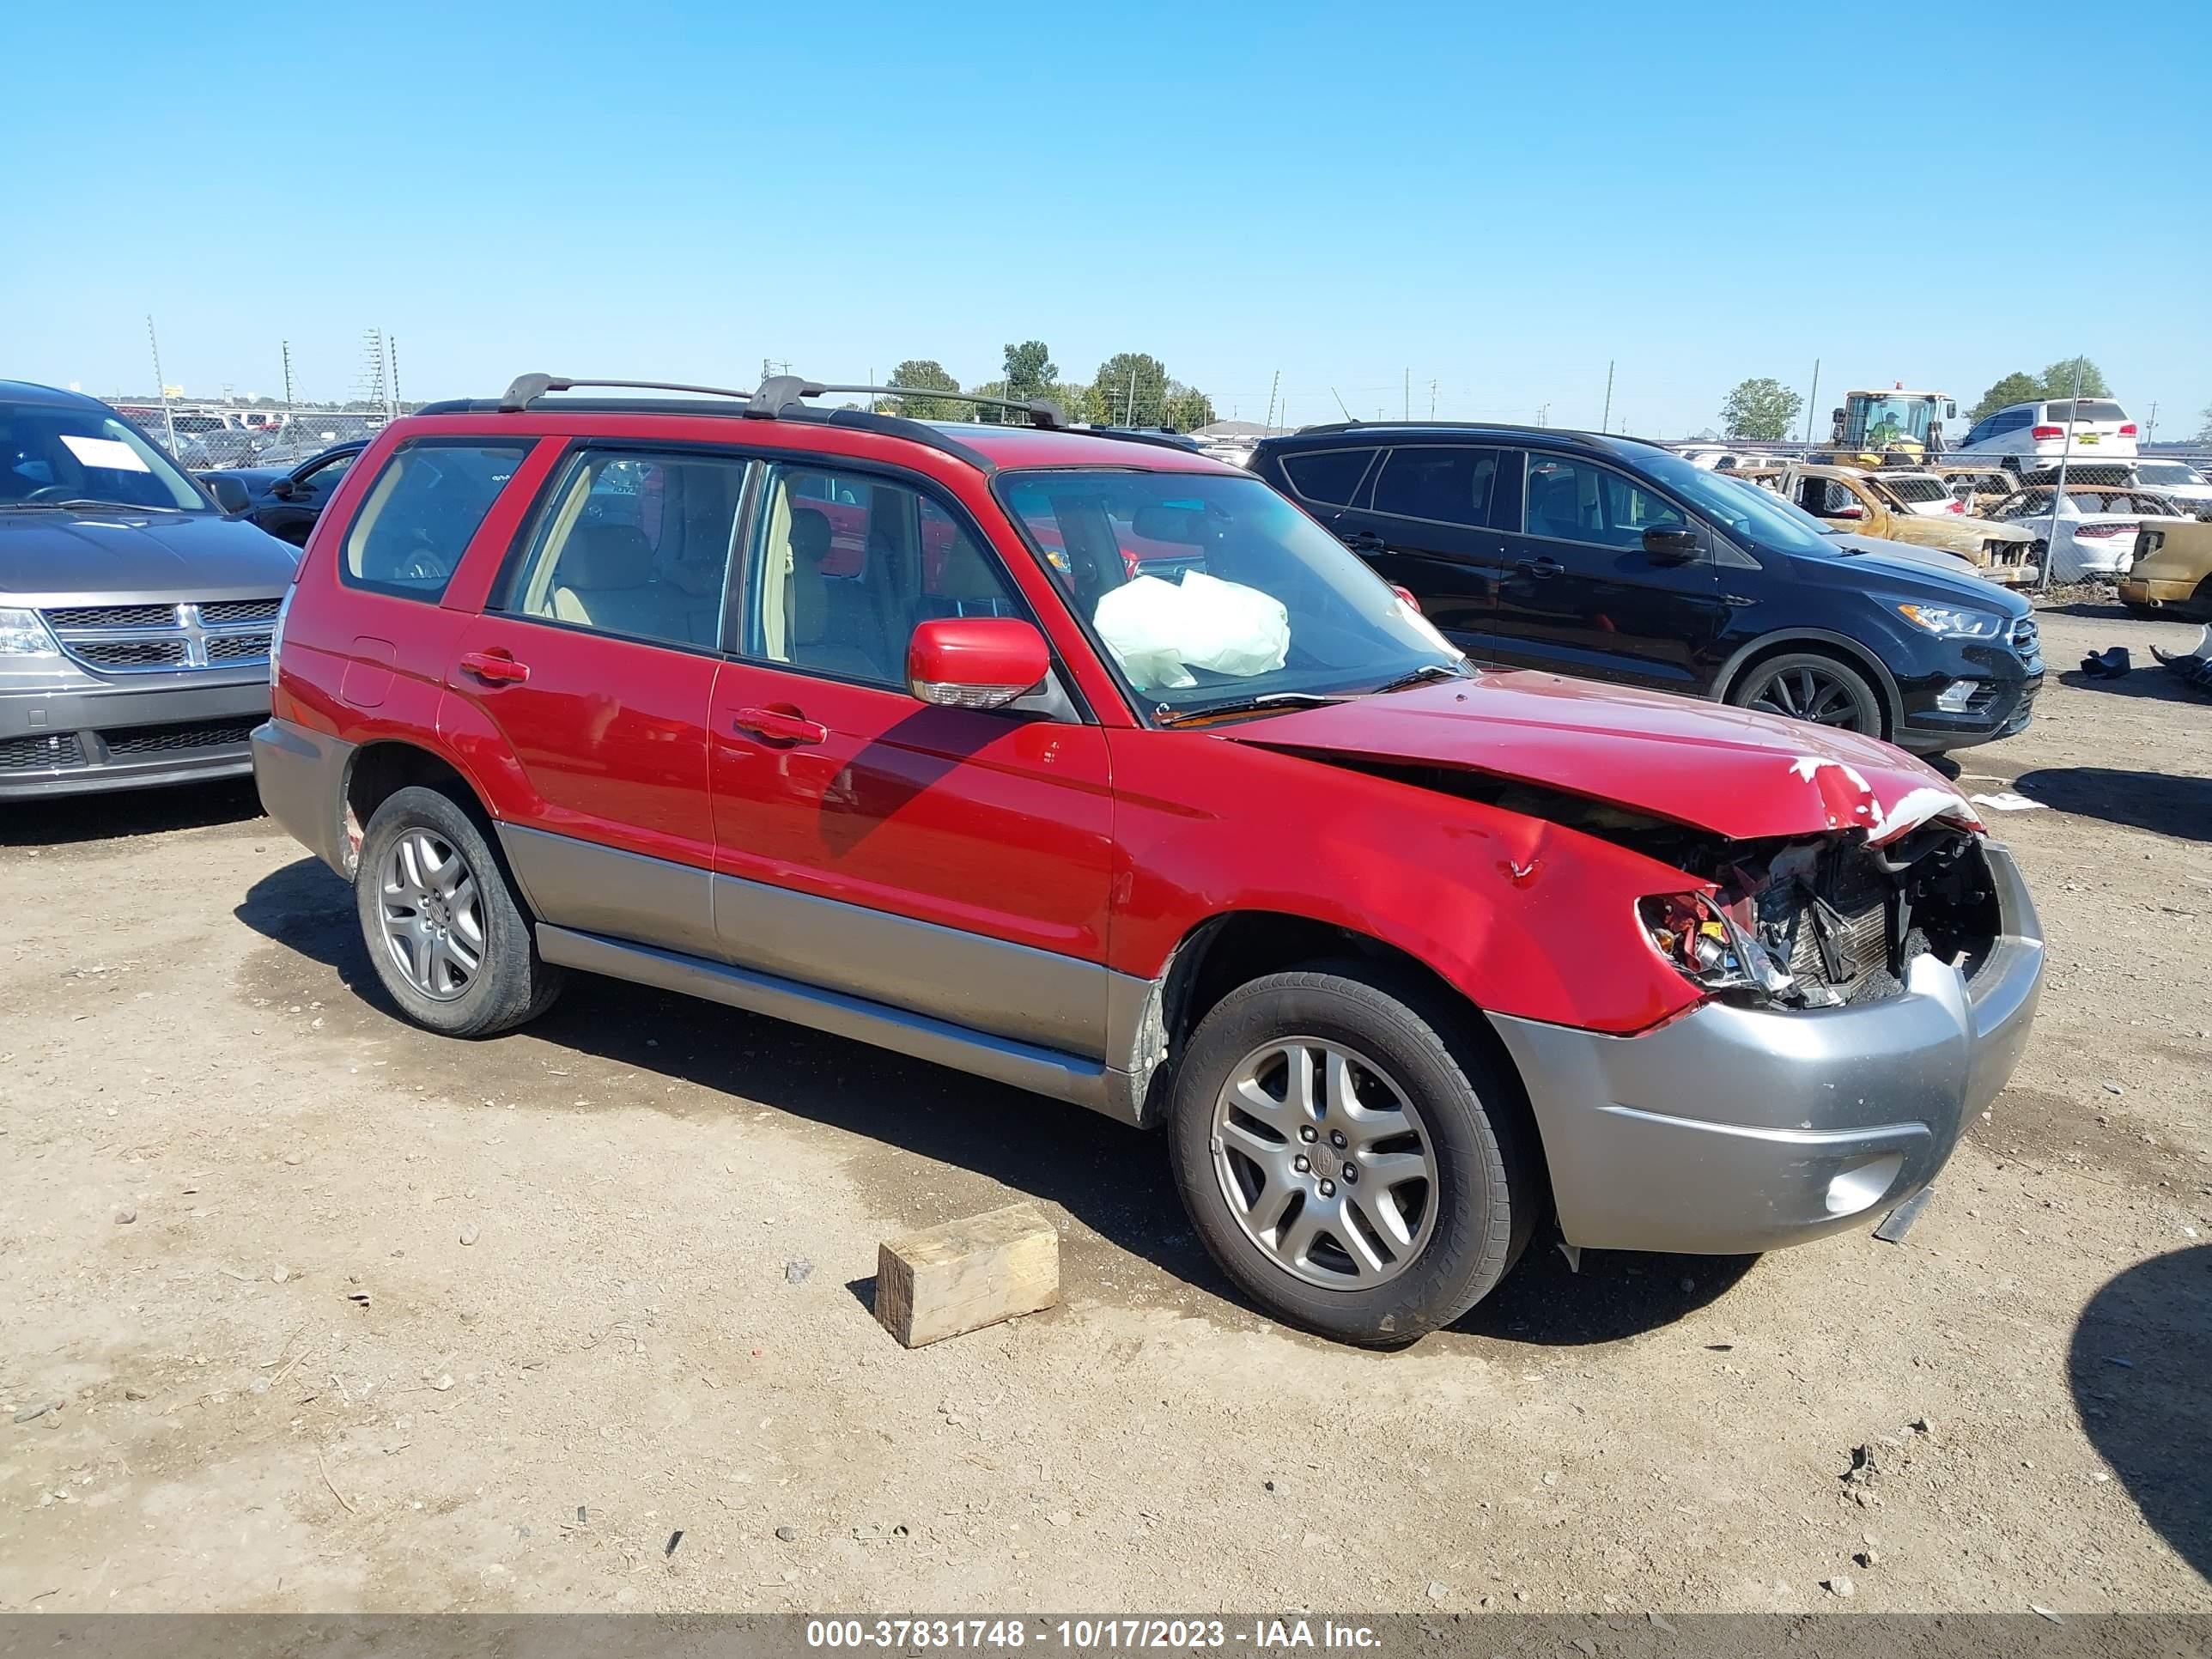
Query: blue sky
column 1498, row 200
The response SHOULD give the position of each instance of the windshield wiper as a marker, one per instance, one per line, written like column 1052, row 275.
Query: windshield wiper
column 1421, row 676
column 1166, row 716
column 81, row 504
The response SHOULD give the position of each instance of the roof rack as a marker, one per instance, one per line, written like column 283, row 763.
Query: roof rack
column 528, row 389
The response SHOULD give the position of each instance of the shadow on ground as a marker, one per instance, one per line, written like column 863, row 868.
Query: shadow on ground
column 2170, row 805
column 2140, row 1355
column 114, row 817
column 2147, row 678
column 1113, row 1179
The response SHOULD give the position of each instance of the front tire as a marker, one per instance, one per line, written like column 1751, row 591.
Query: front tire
column 1810, row 686
column 445, row 931
column 1349, row 1156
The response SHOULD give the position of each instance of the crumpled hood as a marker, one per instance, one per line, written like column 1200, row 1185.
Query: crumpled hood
column 1730, row 771
column 107, row 556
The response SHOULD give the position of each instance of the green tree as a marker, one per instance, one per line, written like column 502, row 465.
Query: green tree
column 2205, row 432
column 1761, row 409
column 2058, row 380
column 925, row 373
column 1130, row 389
column 2013, row 388
column 1029, row 370
column 1187, row 408
column 1074, row 400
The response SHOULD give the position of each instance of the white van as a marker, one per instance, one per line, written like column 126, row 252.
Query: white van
column 2024, row 433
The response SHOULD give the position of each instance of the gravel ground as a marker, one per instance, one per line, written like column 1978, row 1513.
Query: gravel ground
column 307, row 1310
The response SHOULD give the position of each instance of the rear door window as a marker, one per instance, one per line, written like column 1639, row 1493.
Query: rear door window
column 408, row 538
column 638, row 544
column 1457, row 483
column 1571, row 500
column 1329, row 476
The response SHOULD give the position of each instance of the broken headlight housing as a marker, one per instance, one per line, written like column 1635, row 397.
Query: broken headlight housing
column 1706, row 946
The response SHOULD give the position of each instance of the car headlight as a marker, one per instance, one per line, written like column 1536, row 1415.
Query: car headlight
column 1953, row 623
column 24, row 634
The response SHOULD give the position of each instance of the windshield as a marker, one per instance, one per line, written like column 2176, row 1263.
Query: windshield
column 54, row 453
column 2169, row 474
column 1213, row 592
column 1744, row 510
column 1890, row 420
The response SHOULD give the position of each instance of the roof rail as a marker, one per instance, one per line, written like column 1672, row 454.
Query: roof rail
column 781, row 393
column 528, row 389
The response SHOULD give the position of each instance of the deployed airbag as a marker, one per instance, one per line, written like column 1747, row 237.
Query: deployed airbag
column 1159, row 630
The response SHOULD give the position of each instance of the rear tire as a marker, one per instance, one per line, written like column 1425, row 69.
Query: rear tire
column 444, row 928
column 1441, row 1194
column 1812, row 686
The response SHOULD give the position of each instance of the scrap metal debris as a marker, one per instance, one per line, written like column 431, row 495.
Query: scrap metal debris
column 2194, row 665
column 2107, row 665
column 1899, row 1220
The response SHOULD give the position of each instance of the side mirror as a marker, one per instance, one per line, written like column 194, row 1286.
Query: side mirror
column 284, row 489
column 1671, row 544
column 230, row 495
column 975, row 662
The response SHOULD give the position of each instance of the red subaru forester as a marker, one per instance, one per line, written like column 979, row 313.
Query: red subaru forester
column 1081, row 762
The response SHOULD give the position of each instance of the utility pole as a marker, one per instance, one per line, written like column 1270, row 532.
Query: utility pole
column 2151, row 425
column 1269, row 424
column 1812, row 406
column 168, row 417
column 1129, row 413
column 1432, row 400
column 1543, row 414
column 1605, row 421
column 288, row 383
column 2058, row 490
column 392, row 356
column 1408, row 414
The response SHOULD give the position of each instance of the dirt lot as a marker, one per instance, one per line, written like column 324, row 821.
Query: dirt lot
column 341, row 1316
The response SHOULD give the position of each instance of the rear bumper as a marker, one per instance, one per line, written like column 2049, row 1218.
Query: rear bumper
column 136, row 737
column 2150, row 590
column 1734, row 1130
column 301, row 776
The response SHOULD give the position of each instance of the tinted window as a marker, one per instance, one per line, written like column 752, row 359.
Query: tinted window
column 2092, row 410
column 320, row 480
column 1330, row 477
column 848, row 564
column 1452, row 485
column 2012, row 420
column 409, row 536
column 636, row 544
column 1576, row 500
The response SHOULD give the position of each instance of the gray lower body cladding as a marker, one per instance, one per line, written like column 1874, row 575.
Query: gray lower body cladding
column 186, row 728
column 1733, row 1130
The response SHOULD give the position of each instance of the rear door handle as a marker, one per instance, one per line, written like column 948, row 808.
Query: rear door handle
column 778, row 726
column 1546, row 565
column 495, row 667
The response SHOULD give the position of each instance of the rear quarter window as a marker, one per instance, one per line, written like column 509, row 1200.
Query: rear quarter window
column 410, row 531
column 1329, row 476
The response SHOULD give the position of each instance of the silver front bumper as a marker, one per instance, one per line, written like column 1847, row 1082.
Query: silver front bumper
column 1733, row 1130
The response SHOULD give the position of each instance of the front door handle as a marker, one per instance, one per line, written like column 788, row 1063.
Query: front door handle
column 780, row 726
column 1546, row 565
column 495, row 667
column 1363, row 541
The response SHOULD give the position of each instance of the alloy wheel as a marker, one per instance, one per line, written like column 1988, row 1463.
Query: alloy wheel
column 1806, row 692
column 432, row 914
column 1325, row 1163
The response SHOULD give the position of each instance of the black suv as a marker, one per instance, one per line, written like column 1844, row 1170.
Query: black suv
column 1615, row 559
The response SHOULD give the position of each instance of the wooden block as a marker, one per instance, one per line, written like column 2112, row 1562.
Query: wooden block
column 959, row 1276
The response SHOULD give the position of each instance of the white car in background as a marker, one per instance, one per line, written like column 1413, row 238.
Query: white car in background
column 1924, row 493
column 2179, row 480
column 2093, row 532
column 2031, row 434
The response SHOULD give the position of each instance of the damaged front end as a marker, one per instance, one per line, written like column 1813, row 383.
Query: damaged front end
column 1821, row 921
